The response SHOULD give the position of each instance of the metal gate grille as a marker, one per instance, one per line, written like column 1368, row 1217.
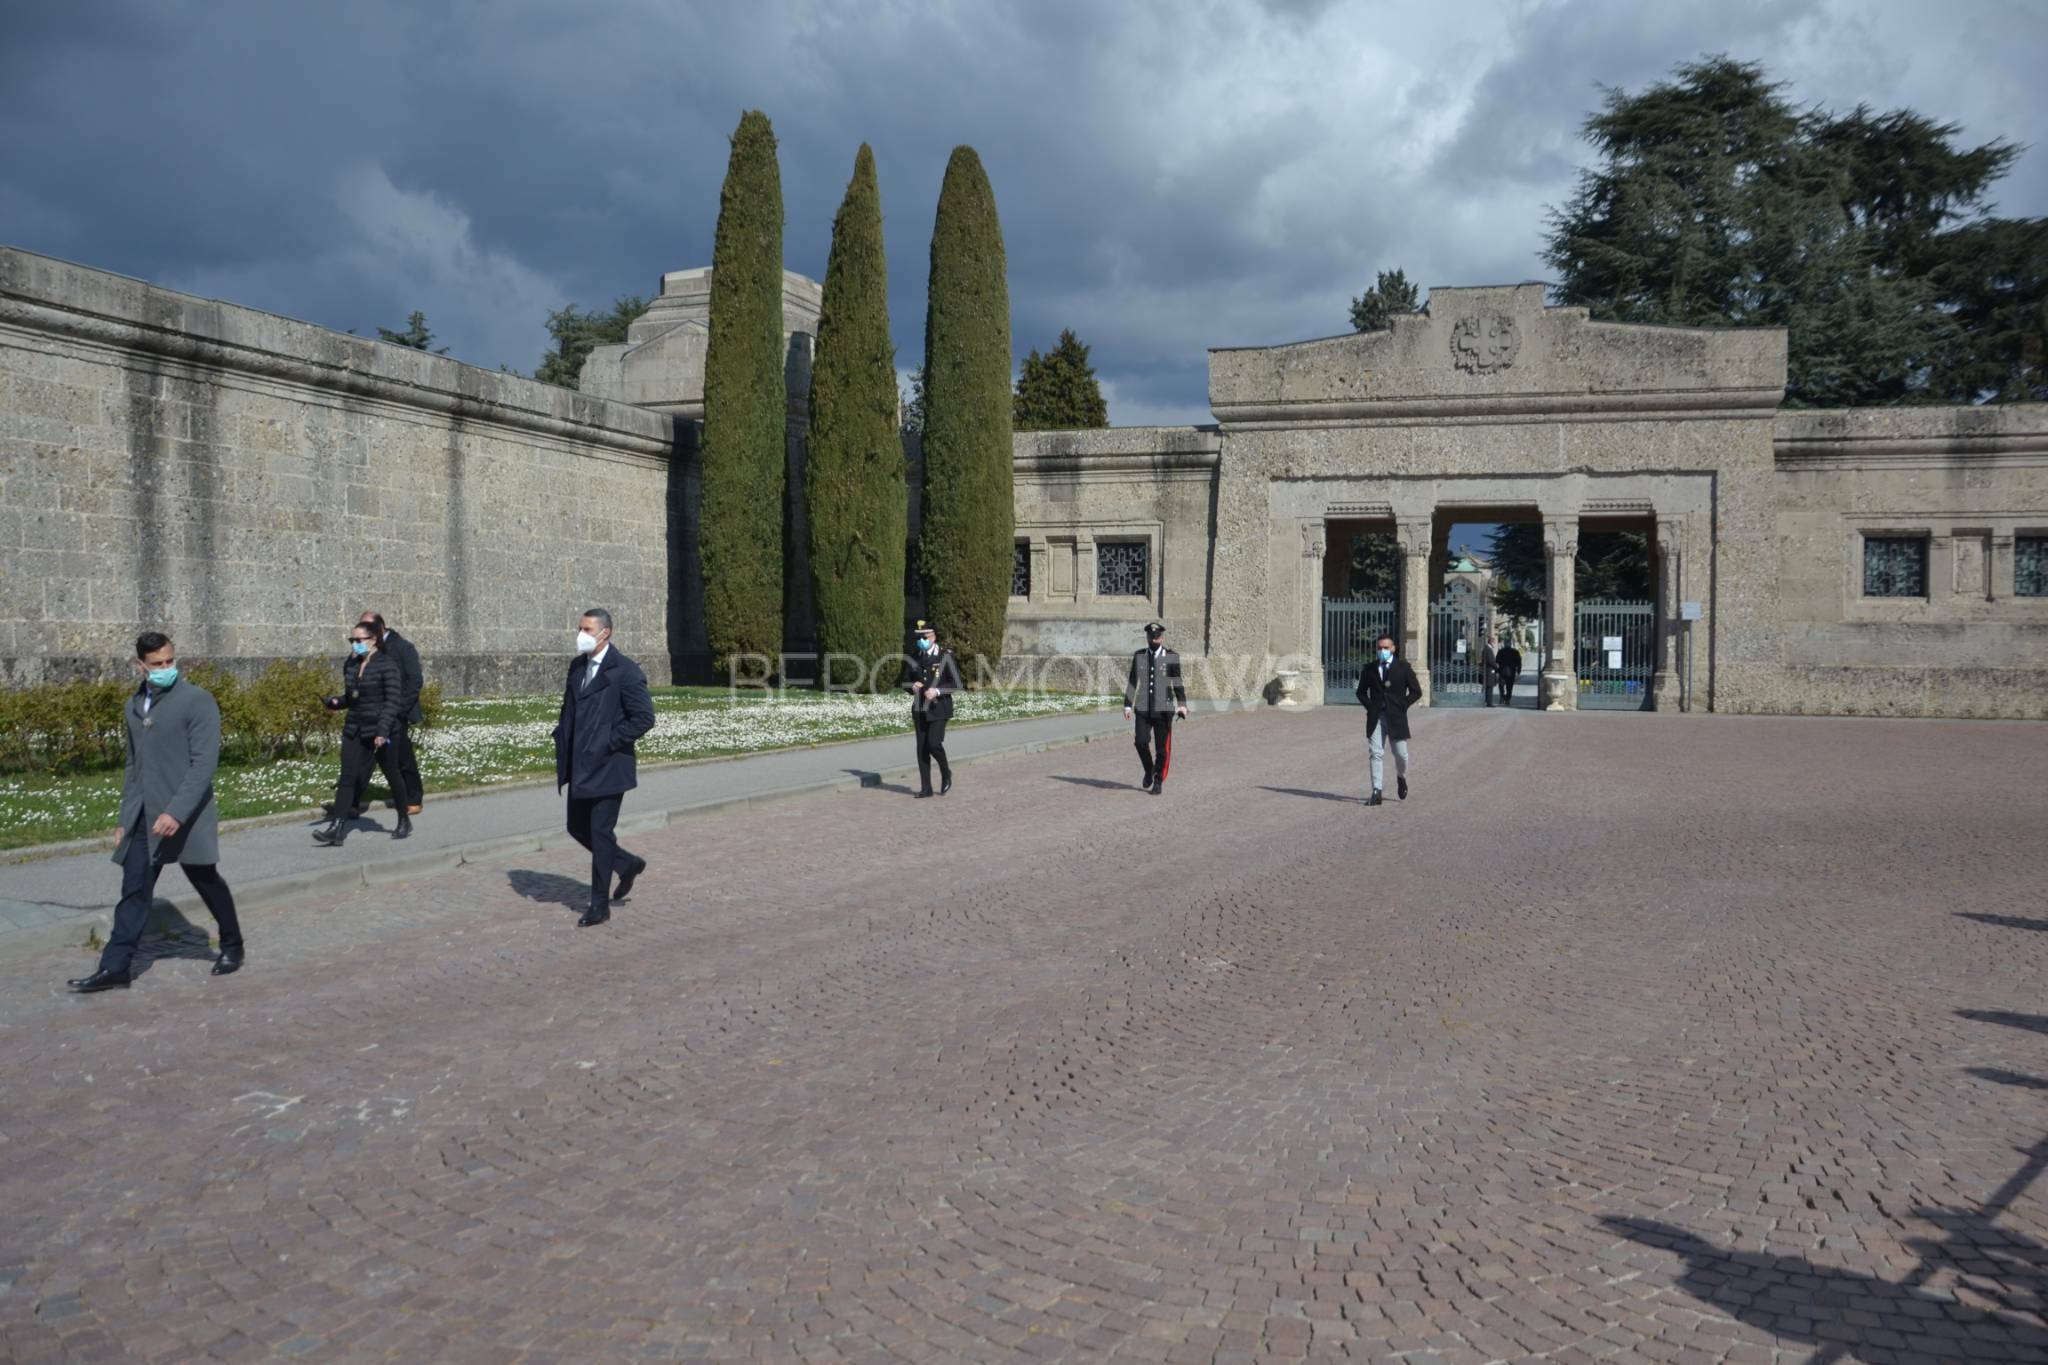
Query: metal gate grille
column 1616, row 644
column 1456, row 630
column 1349, row 629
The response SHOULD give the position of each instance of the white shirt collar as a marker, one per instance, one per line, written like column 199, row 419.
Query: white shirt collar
column 598, row 657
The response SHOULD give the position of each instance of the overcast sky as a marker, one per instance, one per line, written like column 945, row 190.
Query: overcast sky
column 1171, row 176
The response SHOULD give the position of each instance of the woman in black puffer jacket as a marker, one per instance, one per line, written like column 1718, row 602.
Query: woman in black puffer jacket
column 372, row 688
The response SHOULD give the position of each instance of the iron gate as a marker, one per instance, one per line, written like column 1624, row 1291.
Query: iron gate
column 1616, row 644
column 1349, row 629
column 1457, row 629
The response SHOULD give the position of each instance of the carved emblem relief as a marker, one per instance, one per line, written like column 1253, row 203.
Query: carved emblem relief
column 1485, row 343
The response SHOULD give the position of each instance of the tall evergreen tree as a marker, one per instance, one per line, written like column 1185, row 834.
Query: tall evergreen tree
column 853, row 482
column 1390, row 294
column 745, row 416
column 965, row 549
column 416, row 335
column 1059, row 392
column 1718, row 202
column 576, row 333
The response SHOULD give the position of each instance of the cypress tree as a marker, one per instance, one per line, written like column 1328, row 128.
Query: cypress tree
column 853, row 481
column 1059, row 392
column 969, row 518
column 745, row 416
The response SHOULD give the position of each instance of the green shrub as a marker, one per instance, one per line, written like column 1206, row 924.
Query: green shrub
column 63, row 727
column 431, row 698
column 285, row 711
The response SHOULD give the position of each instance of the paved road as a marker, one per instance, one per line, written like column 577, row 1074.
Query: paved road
column 58, row 896
column 1628, row 1037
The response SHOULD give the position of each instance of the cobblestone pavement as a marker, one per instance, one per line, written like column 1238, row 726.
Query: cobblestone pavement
column 1627, row 1037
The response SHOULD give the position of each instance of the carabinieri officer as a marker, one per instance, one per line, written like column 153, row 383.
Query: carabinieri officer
column 1155, row 695
column 931, row 675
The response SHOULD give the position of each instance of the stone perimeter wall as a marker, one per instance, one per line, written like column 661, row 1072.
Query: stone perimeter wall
column 250, row 484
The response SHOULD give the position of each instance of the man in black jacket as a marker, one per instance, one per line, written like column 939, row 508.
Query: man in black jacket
column 1509, row 663
column 1387, row 688
column 1155, row 695
column 931, row 675
column 605, row 708
column 405, row 789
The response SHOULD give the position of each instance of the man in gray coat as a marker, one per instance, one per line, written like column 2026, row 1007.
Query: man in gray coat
column 167, row 810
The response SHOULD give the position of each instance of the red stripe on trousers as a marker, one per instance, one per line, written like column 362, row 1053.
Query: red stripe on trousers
column 1165, row 754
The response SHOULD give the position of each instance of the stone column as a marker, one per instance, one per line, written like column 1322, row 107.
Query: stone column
column 1664, row 682
column 1413, row 537
column 1084, row 568
column 1314, row 540
column 1560, row 669
column 2001, row 574
column 1041, row 570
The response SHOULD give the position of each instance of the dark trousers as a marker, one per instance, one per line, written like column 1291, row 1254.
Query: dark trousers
column 406, row 760
column 138, row 892
column 591, row 822
column 1155, row 743
column 1489, row 680
column 931, row 746
column 1507, row 688
column 361, row 756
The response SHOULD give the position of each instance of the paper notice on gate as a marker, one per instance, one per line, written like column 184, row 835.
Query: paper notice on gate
column 1614, row 658
column 1461, row 646
column 1610, row 643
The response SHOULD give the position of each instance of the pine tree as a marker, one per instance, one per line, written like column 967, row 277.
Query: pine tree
column 1391, row 294
column 745, row 417
column 1058, row 392
column 965, row 550
column 853, row 482
column 417, row 335
column 577, row 333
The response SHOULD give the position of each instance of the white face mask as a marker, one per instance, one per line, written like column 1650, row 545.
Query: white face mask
column 585, row 642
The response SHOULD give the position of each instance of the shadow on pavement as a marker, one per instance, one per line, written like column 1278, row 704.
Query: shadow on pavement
column 550, row 888
column 1104, row 783
column 2002, row 1077
column 1319, row 796
column 2004, row 921
column 2032, row 1023
column 170, row 935
column 874, row 780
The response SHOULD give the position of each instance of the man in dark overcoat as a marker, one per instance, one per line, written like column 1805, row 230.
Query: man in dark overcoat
column 168, row 813
column 931, row 675
column 1386, row 689
column 1509, row 664
column 605, row 708
column 403, row 771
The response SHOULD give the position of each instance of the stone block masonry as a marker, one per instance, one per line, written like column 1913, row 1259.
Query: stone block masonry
column 250, row 483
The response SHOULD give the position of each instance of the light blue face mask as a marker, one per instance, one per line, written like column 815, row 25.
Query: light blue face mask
column 1386, row 656
column 361, row 647
column 925, row 646
column 160, row 678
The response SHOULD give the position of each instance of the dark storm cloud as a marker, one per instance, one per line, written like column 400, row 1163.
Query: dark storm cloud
column 1171, row 176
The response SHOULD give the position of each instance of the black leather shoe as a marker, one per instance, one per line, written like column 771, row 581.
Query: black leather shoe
column 628, row 877
column 404, row 829
column 1159, row 786
column 923, row 794
column 945, row 784
column 1145, row 783
column 336, row 831
column 1373, row 800
column 228, row 963
column 101, row 981
column 1401, row 787
column 596, row 914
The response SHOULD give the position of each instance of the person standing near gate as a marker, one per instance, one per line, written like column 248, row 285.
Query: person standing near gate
column 931, row 675
column 1486, row 668
column 605, row 708
column 1386, row 690
column 168, row 813
column 1509, row 662
column 403, row 770
column 1154, row 694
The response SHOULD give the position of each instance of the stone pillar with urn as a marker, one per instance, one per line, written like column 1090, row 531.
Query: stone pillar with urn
column 1664, row 682
column 1414, row 536
column 1560, row 669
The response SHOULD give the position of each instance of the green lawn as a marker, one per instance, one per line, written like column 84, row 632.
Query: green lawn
column 483, row 740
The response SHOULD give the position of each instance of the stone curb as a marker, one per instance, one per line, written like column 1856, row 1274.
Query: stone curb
column 71, row 932
column 97, row 842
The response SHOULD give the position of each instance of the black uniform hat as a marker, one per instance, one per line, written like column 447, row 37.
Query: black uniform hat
column 1153, row 630
column 924, row 628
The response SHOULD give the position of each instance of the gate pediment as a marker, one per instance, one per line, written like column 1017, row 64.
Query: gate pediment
column 1497, row 350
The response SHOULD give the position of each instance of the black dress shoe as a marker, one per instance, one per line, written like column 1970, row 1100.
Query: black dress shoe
column 333, row 834
column 101, row 981
column 404, row 829
column 923, row 794
column 628, row 877
column 1145, row 783
column 228, row 963
column 594, row 915
column 945, row 784
column 1374, row 799
column 1401, row 787
column 1159, row 786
